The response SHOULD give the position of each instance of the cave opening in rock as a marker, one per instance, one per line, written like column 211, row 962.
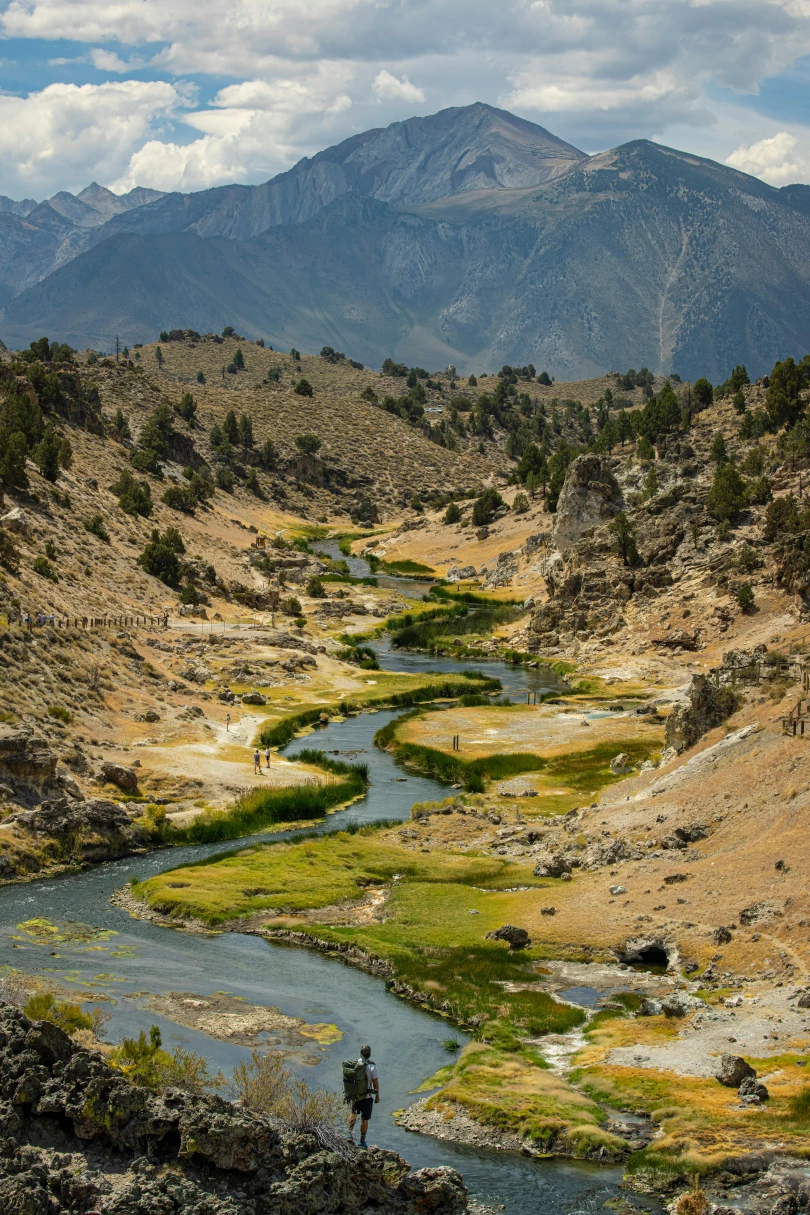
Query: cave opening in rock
column 652, row 958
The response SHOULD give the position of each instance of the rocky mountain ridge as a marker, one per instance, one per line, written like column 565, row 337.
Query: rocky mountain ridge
column 470, row 237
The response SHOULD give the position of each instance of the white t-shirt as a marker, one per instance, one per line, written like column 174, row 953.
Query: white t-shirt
column 371, row 1073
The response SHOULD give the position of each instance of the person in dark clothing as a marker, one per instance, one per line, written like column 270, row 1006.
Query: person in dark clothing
column 363, row 1106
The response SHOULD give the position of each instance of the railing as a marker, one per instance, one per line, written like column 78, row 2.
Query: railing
column 797, row 721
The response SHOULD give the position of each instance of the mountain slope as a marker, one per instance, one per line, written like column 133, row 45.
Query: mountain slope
column 640, row 256
column 469, row 237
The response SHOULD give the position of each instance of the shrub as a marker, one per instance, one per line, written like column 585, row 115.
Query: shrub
column 727, row 496
column 308, row 444
column 225, row 479
column 252, row 483
column 748, row 560
column 266, row 1086
column 46, row 454
column 625, row 539
column 645, row 449
column 704, row 393
column 239, row 359
column 315, row 588
column 121, row 425
column 190, row 595
column 160, row 556
column 43, row 567
column 9, row 553
column 179, row 497
column 753, row 463
column 43, row 1006
column 149, row 1066
column 134, row 497
column 291, row 606
column 60, row 713
column 484, row 507
column 520, row 504
column 187, row 408
column 453, row 513
column 303, row 388
column 95, row 526
column 760, row 491
column 745, row 597
column 719, row 452
column 200, row 377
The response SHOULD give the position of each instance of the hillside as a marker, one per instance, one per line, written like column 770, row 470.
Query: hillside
column 470, row 237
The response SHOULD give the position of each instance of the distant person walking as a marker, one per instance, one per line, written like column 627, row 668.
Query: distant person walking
column 267, row 756
column 257, row 762
column 228, row 722
column 361, row 1087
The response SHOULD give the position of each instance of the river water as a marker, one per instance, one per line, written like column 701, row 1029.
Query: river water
column 140, row 957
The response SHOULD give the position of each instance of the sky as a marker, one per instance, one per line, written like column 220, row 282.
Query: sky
column 189, row 94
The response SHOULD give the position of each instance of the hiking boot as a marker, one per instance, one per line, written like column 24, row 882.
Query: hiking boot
column 363, row 1143
column 350, row 1138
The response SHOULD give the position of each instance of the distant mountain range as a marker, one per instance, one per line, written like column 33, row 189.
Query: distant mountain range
column 471, row 236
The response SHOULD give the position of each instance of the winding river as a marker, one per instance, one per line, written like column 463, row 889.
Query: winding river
column 139, row 957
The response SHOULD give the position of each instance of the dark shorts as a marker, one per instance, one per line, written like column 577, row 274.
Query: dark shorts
column 363, row 1108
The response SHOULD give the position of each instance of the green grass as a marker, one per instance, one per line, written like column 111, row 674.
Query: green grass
column 448, row 593
column 262, row 808
column 447, row 767
column 580, row 770
column 408, row 568
column 429, row 634
column 429, row 937
column 278, row 733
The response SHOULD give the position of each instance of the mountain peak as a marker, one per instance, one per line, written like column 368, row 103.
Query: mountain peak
column 474, row 147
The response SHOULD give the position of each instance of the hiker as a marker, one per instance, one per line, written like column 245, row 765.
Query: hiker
column 228, row 722
column 267, row 756
column 257, row 763
column 361, row 1087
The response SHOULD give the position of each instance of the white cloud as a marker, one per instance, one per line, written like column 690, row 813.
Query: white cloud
column 777, row 159
column 251, row 131
column 311, row 72
column 108, row 61
column 67, row 134
column 389, row 88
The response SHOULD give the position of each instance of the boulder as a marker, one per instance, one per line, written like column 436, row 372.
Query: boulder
column 708, row 706
column 589, row 497
column 460, row 573
column 123, row 778
column 552, row 865
column 733, row 1070
column 25, row 758
column 16, row 521
column 621, row 764
column 753, row 1091
column 517, row 938
column 803, row 1000
column 254, row 698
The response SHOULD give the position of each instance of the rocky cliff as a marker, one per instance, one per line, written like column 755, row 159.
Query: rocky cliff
column 75, row 1136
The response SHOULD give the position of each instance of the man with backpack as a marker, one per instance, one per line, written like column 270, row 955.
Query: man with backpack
column 361, row 1088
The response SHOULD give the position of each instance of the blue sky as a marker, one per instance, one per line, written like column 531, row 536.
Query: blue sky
column 182, row 95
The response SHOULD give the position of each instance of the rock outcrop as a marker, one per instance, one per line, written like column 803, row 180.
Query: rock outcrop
column 589, row 497
column 733, row 1070
column 517, row 938
column 67, row 1120
column 708, row 706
